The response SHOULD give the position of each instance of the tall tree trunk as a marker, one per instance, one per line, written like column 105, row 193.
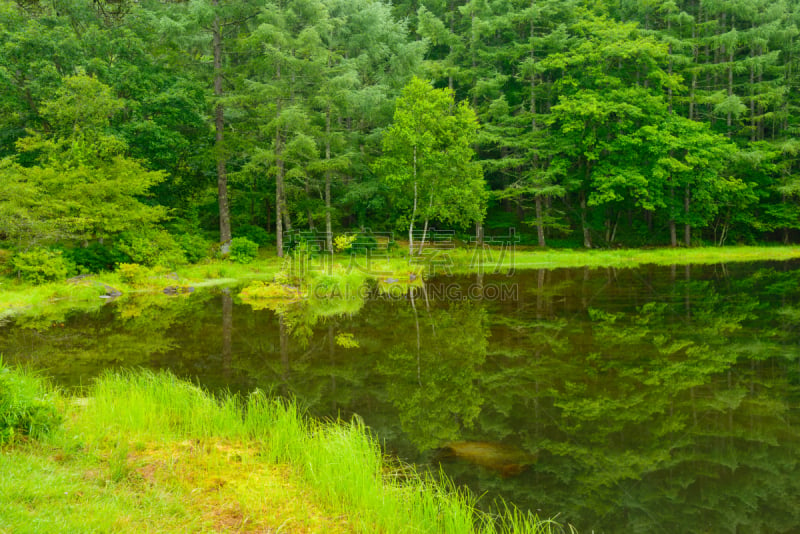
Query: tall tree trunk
column 219, row 127
column 587, row 236
column 328, row 229
column 687, row 229
column 730, row 80
column 287, row 218
column 673, row 235
column 538, row 200
column 278, row 180
column 413, row 211
column 752, row 93
column 540, row 222
column 425, row 228
column 309, row 215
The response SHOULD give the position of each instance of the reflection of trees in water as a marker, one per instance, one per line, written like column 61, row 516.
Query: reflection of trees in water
column 652, row 404
column 75, row 347
column 435, row 385
column 656, row 419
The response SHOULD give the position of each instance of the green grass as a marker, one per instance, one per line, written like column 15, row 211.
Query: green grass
column 27, row 406
column 147, row 451
column 468, row 261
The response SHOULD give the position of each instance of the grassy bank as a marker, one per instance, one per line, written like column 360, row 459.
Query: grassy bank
column 148, row 452
column 87, row 293
column 464, row 261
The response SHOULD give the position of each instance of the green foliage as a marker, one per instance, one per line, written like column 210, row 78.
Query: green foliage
column 656, row 112
column 255, row 234
column 5, row 260
column 363, row 243
column 81, row 185
column 428, row 157
column 27, row 406
column 133, row 273
column 152, row 247
column 194, row 247
column 343, row 242
column 96, row 257
column 242, row 250
column 41, row 265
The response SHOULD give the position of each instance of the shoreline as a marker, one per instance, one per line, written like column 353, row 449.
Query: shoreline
column 93, row 291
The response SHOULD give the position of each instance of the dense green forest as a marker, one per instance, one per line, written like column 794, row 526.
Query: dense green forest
column 145, row 131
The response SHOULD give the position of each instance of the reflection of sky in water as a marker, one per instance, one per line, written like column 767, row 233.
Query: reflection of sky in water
column 652, row 400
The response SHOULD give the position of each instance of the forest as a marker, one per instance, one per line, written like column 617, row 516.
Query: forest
column 154, row 132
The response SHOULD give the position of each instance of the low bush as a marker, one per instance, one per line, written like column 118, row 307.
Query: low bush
column 256, row 234
column 133, row 273
column 242, row 250
column 40, row 265
column 194, row 247
column 363, row 243
column 343, row 242
column 152, row 247
column 96, row 257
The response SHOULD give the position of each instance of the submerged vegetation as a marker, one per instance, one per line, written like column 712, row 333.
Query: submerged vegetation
column 149, row 451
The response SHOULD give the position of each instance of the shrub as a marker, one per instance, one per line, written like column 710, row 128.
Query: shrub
column 194, row 247
column 256, row 234
column 363, row 243
column 26, row 406
column 96, row 257
column 343, row 242
column 242, row 250
column 152, row 247
column 133, row 273
column 41, row 265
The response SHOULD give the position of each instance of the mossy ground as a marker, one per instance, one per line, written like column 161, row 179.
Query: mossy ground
column 179, row 486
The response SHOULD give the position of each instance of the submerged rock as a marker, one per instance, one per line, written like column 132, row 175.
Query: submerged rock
column 504, row 459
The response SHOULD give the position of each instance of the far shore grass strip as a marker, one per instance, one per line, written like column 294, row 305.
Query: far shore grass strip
column 622, row 258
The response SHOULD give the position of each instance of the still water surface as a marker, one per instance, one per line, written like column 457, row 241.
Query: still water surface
column 656, row 399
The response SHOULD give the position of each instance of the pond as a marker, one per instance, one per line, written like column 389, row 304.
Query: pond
column 658, row 399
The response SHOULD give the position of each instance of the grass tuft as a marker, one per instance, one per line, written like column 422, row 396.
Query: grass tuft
column 28, row 406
